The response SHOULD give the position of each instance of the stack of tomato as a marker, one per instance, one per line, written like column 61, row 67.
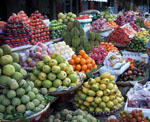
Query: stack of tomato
column 83, row 17
column 82, row 62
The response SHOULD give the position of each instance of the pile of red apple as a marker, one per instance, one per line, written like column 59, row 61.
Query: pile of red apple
column 34, row 55
column 39, row 32
column 134, row 116
column 15, row 32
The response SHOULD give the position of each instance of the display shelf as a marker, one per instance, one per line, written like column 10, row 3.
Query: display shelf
column 56, row 40
column 15, row 49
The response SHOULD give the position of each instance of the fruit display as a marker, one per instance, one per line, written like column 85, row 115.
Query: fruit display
column 119, row 37
column 73, row 35
column 30, row 57
column 112, row 24
column 107, row 15
column 131, row 75
column 131, row 62
column 147, row 23
column 113, row 120
column 82, row 62
column 108, row 47
column 83, row 17
column 129, row 30
column 134, row 116
column 15, row 32
column 140, row 23
column 137, row 45
column 98, row 54
column 134, row 26
column 56, row 29
column 54, row 73
column 130, row 16
column 62, row 49
column 66, row 115
column 140, row 65
column 100, row 25
column 114, row 60
column 120, row 20
column 99, row 94
column 65, row 18
column 144, row 35
column 18, row 95
column 39, row 32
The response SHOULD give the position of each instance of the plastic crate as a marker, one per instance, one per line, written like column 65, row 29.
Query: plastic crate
column 146, row 112
column 135, row 56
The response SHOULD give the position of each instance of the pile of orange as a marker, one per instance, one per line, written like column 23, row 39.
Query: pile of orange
column 82, row 62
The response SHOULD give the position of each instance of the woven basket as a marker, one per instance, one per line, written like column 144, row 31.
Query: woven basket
column 63, row 92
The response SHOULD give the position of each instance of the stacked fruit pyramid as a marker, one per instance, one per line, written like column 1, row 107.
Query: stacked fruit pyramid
column 100, row 94
column 19, row 95
column 73, row 35
column 54, row 72
column 15, row 32
column 39, row 32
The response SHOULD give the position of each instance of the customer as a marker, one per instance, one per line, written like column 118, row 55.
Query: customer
column 148, row 52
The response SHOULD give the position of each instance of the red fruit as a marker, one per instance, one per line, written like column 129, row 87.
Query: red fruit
column 31, row 64
column 38, row 55
column 38, row 49
column 13, row 40
column 7, row 41
column 31, row 54
column 139, row 119
column 36, row 59
column 24, row 64
column 22, row 40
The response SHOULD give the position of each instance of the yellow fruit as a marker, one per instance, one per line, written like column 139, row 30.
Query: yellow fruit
column 105, row 99
column 76, row 98
column 91, row 81
column 106, row 92
column 86, row 84
column 105, row 75
column 97, row 100
column 89, row 99
column 113, row 91
column 86, row 103
column 106, row 109
column 115, row 101
column 95, row 87
column 98, row 110
column 79, row 93
column 85, row 90
column 80, row 101
column 110, row 86
column 84, row 76
column 98, row 79
column 77, row 105
column 91, row 109
column 119, row 99
column 99, row 93
column 82, row 107
column 93, row 104
column 102, row 87
column 91, row 93
column 105, row 81
column 112, row 97
column 109, row 104
column 112, row 78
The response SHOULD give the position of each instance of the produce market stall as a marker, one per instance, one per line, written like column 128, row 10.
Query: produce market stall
column 74, row 69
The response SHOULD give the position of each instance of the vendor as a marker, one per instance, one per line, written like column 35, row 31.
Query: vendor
column 148, row 52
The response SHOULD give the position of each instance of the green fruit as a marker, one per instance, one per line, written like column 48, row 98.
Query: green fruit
column 36, row 102
column 69, row 70
column 62, row 75
column 60, row 59
column 105, row 99
column 106, row 109
column 73, row 77
column 46, row 69
column 1, row 52
column 57, row 83
column 75, row 41
column 91, row 93
column 37, row 109
column 15, row 57
column 46, row 59
column 17, row 76
column 13, row 84
column 75, row 32
column 28, row 89
column 11, row 94
column 73, row 84
column 31, row 84
column 5, row 91
column 9, row 117
column 47, row 84
column 22, row 83
column 23, row 72
column 42, row 76
column 32, row 77
column 40, row 65
column 25, row 99
column 17, row 67
column 2, row 97
column 35, row 90
column 9, row 109
column 36, row 72
column 21, row 108
column 102, row 105
column 51, row 76
column 16, row 101
column 1, row 116
column 6, row 102
column 106, row 92
column 38, row 83
column 8, row 70
column 30, row 106
column 66, row 82
column 52, row 62
column 40, row 97
column 31, row 95
column 56, row 69
column 83, row 96
column 6, row 59
column 2, row 109
column 110, row 104
column 6, row 49
column 95, row 87
column 63, row 66
column 44, row 91
column 91, row 36
column 41, row 106
column 4, row 80
column 52, row 89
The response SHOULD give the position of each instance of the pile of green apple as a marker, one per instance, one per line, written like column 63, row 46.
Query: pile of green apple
column 54, row 72
column 56, row 29
column 107, row 15
column 65, row 18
